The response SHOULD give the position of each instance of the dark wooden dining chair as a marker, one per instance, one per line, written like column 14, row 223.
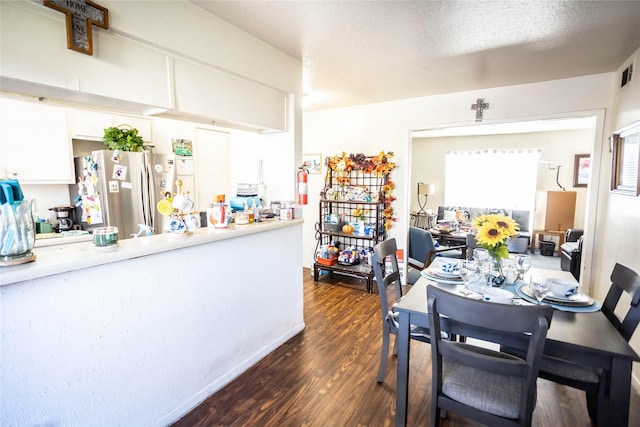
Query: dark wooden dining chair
column 595, row 382
column 488, row 386
column 386, row 277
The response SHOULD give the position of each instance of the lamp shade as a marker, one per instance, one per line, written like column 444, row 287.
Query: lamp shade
column 426, row 189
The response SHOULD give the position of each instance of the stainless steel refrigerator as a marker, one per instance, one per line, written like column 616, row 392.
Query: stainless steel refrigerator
column 122, row 189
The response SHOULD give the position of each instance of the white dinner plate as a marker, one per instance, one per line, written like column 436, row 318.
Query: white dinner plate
column 427, row 274
column 579, row 300
column 439, row 272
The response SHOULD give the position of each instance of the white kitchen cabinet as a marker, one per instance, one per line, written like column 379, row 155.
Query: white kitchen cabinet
column 35, row 147
column 29, row 56
column 90, row 125
column 39, row 63
column 210, row 93
column 143, row 125
column 122, row 69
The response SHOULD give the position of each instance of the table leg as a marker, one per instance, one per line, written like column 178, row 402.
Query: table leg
column 532, row 248
column 619, row 392
column 402, row 382
column 561, row 238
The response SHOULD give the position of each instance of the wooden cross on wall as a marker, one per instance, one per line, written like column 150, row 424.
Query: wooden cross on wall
column 479, row 106
column 80, row 16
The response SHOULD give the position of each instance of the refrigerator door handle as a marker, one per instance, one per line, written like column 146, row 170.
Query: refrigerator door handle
column 148, row 204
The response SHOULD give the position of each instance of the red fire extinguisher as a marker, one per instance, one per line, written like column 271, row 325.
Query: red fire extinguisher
column 303, row 188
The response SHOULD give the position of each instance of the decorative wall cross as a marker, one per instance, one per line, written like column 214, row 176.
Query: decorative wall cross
column 80, row 16
column 479, row 106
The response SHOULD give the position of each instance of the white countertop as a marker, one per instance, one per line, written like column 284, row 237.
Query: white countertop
column 62, row 258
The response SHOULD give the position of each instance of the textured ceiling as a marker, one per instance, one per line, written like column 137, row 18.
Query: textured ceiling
column 357, row 52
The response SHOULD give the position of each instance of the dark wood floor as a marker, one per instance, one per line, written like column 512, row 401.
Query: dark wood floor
column 326, row 375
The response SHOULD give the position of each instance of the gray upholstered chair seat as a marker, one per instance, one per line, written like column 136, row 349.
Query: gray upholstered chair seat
column 488, row 392
column 416, row 332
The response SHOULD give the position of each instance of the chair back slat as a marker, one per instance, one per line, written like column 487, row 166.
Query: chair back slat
column 623, row 279
column 384, row 277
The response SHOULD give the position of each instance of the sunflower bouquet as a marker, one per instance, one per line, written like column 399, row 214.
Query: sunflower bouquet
column 494, row 232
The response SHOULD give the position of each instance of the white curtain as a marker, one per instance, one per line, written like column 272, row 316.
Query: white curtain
column 492, row 178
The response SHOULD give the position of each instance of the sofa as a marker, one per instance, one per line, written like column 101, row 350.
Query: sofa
column 468, row 214
column 571, row 252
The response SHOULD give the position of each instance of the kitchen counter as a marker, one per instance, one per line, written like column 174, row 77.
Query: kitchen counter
column 141, row 333
column 55, row 259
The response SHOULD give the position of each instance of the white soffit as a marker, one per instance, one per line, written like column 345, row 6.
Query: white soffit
column 508, row 128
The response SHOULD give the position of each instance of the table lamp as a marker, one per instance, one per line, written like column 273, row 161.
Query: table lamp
column 424, row 190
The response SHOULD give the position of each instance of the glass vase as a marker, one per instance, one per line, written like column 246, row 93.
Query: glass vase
column 495, row 276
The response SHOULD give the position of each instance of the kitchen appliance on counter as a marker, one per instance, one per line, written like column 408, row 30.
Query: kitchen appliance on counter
column 122, row 189
column 63, row 218
column 246, row 194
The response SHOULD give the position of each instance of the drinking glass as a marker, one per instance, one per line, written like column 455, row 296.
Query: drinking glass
column 523, row 264
column 509, row 271
column 481, row 257
column 540, row 288
column 467, row 272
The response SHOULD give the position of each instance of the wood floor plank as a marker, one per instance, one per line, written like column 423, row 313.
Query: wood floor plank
column 326, row 375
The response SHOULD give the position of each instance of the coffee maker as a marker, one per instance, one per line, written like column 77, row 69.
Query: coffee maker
column 63, row 216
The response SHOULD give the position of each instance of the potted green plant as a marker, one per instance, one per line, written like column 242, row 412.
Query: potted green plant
column 123, row 139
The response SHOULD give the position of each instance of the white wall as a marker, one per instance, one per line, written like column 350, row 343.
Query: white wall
column 618, row 218
column 143, row 341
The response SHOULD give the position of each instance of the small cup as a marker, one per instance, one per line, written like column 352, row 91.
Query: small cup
column 562, row 288
column 174, row 224
column 182, row 203
column 448, row 266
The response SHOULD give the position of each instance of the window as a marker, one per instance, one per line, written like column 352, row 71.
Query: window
column 625, row 177
column 492, row 178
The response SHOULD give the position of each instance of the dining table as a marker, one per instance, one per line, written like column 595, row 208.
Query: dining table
column 581, row 335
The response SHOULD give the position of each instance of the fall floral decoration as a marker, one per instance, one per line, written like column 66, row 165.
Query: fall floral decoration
column 360, row 213
column 389, row 198
column 378, row 165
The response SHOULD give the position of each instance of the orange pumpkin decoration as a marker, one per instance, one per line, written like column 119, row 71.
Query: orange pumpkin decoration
column 347, row 229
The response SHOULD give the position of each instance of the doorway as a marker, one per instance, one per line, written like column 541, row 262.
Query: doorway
column 560, row 138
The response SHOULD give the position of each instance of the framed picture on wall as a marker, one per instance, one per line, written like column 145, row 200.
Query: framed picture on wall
column 581, row 170
column 313, row 162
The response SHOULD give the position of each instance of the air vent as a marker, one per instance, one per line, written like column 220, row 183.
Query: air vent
column 625, row 77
